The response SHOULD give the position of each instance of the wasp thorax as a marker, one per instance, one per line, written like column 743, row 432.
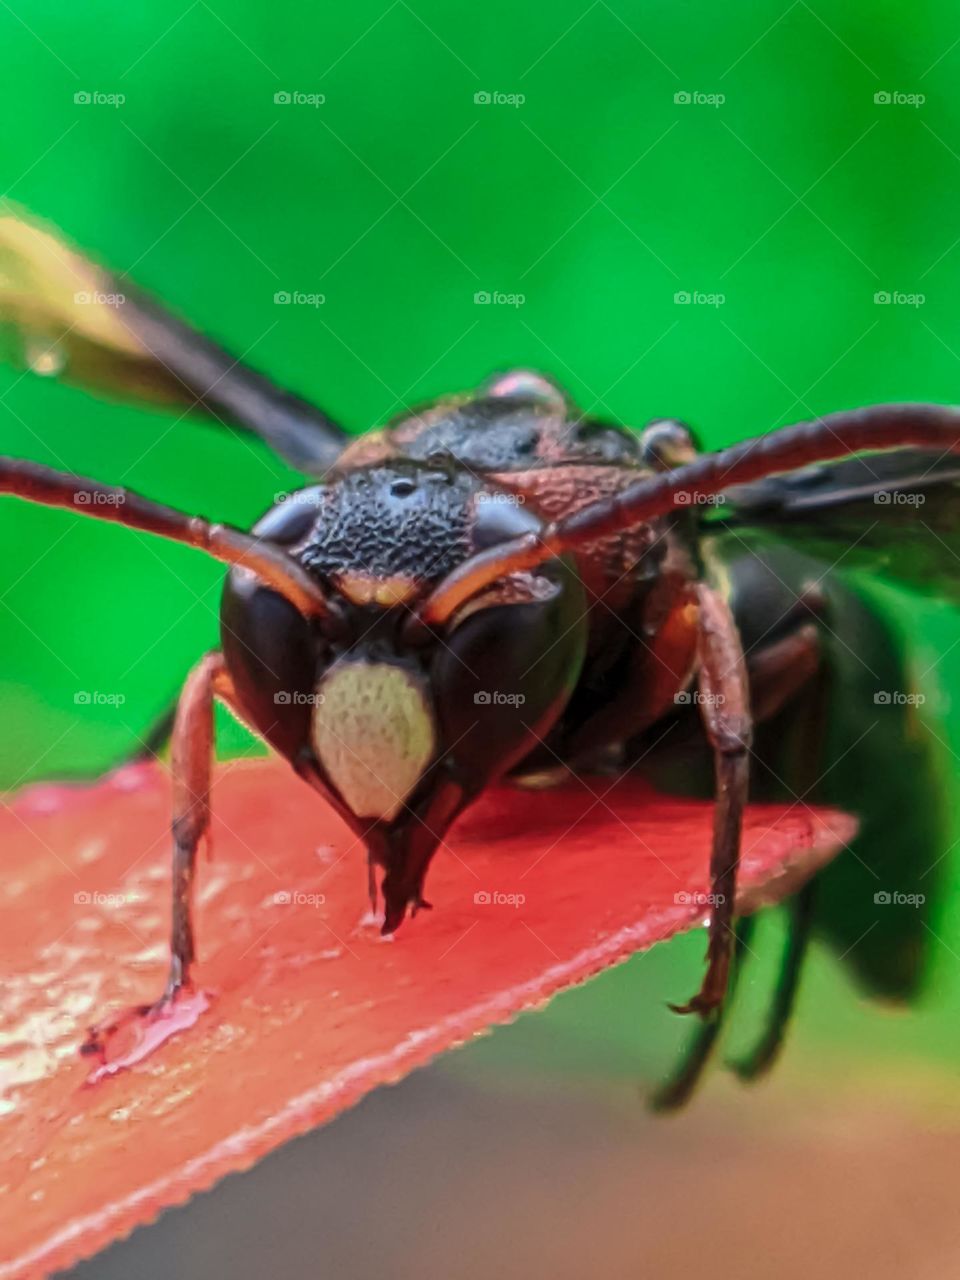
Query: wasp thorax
column 373, row 734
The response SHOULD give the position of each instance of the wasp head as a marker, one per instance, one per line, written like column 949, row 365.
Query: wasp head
column 402, row 725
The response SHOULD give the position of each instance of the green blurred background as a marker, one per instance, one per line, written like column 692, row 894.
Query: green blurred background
column 598, row 198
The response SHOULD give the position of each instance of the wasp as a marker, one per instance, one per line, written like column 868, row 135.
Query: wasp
column 496, row 584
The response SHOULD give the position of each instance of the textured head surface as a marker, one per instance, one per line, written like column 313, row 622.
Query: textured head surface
column 401, row 519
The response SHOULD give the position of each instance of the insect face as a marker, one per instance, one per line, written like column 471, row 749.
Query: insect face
column 400, row 728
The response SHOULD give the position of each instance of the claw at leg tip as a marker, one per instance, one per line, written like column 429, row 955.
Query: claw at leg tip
column 704, row 1007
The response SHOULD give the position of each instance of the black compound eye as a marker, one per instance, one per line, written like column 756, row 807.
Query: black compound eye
column 500, row 515
column 666, row 443
column 504, row 673
column 271, row 649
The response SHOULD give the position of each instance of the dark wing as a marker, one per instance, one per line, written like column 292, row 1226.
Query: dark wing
column 893, row 514
column 62, row 315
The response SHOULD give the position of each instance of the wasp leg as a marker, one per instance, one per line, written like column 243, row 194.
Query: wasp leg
column 192, row 760
column 156, row 740
column 683, row 1081
column 725, row 706
column 765, row 1052
column 778, row 673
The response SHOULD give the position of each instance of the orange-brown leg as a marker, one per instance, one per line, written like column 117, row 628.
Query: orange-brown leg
column 778, row 673
column 725, row 707
column 191, row 763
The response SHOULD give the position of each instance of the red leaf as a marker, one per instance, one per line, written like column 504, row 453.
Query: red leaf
column 309, row 1008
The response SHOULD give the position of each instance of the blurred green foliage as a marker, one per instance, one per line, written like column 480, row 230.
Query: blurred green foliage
column 598, row 199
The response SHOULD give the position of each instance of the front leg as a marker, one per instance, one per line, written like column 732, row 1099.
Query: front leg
column 191, row 763
column 725, row 707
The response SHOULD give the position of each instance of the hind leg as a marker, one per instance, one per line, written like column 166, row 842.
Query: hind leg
column 778, row 673
column 683, row 1081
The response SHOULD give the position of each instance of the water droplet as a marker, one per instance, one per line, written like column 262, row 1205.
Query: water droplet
column 91, row 850
column 46, row 360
